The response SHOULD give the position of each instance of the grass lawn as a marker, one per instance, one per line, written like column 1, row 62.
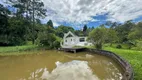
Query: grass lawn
column 12, row 49
column 133, row 57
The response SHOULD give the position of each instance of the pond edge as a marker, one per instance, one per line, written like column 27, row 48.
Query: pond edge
column 128, row 71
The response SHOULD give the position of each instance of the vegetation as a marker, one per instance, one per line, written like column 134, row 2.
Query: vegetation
column 24, row 25
column 63, row 29
column 128, row 34
column 133, row 57
column 122, row 39
column 48, row 38
column 97, row 36
column 9, row 49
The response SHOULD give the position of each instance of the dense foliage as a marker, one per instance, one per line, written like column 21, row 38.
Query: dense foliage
column 129, row 34
column 18, row 28
column 47, row 37
column 97, row 36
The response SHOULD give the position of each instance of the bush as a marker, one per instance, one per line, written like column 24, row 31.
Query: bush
column 56, row 44
column 49, row 40
column 98, row 46
column 138, row 45
column 118, row 46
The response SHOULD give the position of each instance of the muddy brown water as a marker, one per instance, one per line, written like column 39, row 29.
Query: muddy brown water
column 56, row 65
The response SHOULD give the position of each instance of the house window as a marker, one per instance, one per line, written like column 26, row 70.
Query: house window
column 66, row 40
column 82, row 39
column 71, row 39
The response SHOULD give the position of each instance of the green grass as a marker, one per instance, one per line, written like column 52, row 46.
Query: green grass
column 16, row 48
column 133, row 57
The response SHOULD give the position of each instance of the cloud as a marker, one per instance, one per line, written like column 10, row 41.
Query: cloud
column 3, row 2
column 82, row 11
column 78, row 12
column 56, row 24
column 74, row 70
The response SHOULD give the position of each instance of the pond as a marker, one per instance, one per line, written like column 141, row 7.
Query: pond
column 56, row 65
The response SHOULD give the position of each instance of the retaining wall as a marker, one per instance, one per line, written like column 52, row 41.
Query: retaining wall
column 128, row 71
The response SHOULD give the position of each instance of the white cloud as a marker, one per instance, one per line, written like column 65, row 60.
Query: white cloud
column 80, row 11
column 74, row 70
column 5, row 2
column 55, row 24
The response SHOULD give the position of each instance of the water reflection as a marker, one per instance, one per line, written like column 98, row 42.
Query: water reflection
column 59, row 66
column 74, row 70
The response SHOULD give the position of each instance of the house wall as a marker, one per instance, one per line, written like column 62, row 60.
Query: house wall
column 70, row 41
column 75, row 41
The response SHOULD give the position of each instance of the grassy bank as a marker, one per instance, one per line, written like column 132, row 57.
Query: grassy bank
column 133, row 57
column 13, row 50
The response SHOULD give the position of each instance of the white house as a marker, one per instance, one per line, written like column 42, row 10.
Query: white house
column 71, row 40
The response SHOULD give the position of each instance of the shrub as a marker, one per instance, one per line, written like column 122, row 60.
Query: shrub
column 98, row 46
column 118, row 46
column 49, row 40
column 56, row 44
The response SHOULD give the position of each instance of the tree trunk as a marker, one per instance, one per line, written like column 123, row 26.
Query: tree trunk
column 33, row 39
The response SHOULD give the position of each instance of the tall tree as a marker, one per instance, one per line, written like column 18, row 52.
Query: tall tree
column 4, row 25
column 50, row 24
column 31, row 9
column 85, row 28
column 136, row 32
column 124, row 30
column 112, row 24
column 18, row 30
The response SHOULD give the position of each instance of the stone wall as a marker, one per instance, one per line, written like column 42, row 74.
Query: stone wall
column 128, row 71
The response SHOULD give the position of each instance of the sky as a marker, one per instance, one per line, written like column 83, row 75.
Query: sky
column 77, row 13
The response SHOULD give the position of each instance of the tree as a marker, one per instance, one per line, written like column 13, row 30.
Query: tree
column 111, row 36
column 47, row 37
column 112, row 24
column 123, row 31
column 136, row 32
column 135, row 35
column 79, row 33
column 50, row 24
column 39, row 11
column 98, row 36
column 85, row 28
column 63, row 29
column 4, row 25
column 17, row 31
column 32, row 9
column 92, row 28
